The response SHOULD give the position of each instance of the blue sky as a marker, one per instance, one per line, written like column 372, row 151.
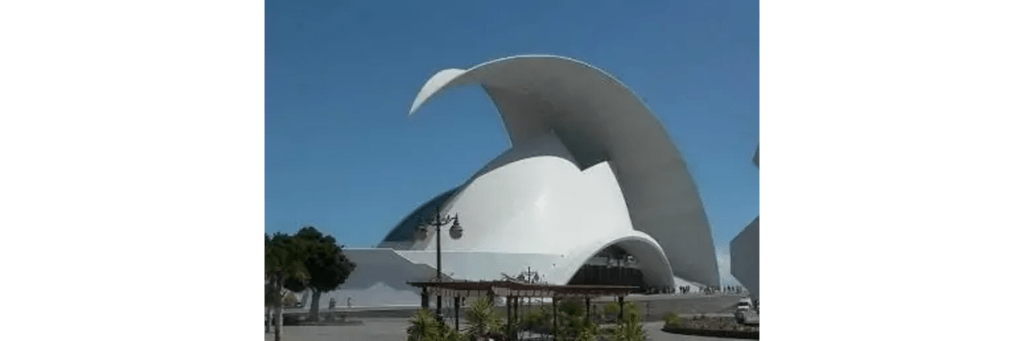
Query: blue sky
column 342, row 155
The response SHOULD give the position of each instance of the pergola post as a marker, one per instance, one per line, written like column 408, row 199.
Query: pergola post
column 508, row 316
column 439, row 303
column 554, row 317
column 515, row 314
column 588, row 309
column 622, row 309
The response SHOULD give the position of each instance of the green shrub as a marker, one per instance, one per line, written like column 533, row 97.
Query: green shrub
column 587, row 335
column 536, row 318
column 671, row 319
column 482, row 318
column 633, row 309
column 572, row 307
column 572, row 319
column 424, row 327
column 447, row 333
column 611, row 309
column 289, row 300
column 631, row 329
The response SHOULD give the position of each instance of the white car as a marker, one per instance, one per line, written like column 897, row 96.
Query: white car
column 744, row 311
column 745, row 304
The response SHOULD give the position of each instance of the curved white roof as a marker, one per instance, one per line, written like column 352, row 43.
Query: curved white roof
column 599, row 120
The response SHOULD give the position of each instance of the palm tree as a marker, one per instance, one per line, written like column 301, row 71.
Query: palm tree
column 282, row 261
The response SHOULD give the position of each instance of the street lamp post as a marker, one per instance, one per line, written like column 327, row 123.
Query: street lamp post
column 437, row 223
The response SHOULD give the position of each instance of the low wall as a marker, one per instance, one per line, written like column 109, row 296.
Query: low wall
column 734, row 334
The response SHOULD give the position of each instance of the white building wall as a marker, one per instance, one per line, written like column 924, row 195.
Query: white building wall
column 380, row 279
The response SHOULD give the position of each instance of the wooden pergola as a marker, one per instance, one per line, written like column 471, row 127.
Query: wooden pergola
column 514, row 292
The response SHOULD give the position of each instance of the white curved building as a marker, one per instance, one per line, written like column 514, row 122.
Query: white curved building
column 589, row 167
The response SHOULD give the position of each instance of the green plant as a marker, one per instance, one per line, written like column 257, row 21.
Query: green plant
column 535, row 318
column 455, row 335
column 611, row 309
column 283, row 263
column 587, row 331
column 671, row 319
column 326, row 264
column 631, row 329
column 424, row 326
column 633, row 308
column 482, row 318
column 504, row 327
column 447, row 333
column 289, row 300
column 572, row 307
column 573, row 323
column 587, row 334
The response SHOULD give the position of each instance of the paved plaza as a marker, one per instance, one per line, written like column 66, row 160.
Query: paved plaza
column 393, row 329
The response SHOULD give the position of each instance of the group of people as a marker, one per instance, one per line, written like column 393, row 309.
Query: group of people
column 334, row 302
column 711, row 290
column 307, row 295
column 695, row 290
column 658, row 290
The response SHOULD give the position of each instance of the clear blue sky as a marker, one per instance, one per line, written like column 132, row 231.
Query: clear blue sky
column 342, row 155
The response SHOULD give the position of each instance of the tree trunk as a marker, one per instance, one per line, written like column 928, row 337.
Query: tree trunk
column 266, row 323
column 314, row 306
column 278, row 321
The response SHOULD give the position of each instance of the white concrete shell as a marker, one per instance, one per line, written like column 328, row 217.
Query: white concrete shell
column 589, row 167
column 598, row 120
